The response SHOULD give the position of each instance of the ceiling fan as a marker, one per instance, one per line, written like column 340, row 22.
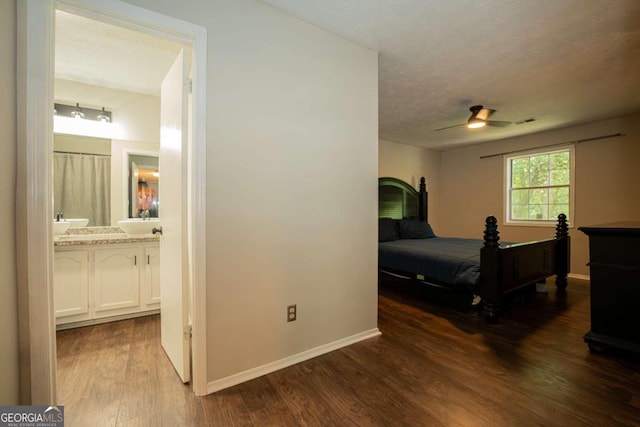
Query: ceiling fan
column 479, row 118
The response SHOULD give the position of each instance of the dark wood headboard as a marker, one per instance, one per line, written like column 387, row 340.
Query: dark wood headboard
column 397, row 199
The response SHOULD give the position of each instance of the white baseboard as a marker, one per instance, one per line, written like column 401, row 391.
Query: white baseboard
column 259, row 371
column 579, row 276
column 98, row 321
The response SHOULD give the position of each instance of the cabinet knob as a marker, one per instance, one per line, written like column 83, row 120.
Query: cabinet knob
column 156, row 230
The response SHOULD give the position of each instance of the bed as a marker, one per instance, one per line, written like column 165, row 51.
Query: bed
column 479, row 267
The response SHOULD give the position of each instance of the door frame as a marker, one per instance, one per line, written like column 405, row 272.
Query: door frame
column 34, row 186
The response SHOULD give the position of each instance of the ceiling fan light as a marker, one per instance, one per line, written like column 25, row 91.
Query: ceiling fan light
column 476, row 123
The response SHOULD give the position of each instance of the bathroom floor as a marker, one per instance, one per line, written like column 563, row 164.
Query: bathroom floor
column 117, row 374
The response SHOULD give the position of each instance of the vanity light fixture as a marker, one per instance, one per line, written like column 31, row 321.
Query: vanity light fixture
column 96, row 123
column 77, row 112
column 103, row 116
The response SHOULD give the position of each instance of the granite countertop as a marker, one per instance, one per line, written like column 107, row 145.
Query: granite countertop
column 100, row 236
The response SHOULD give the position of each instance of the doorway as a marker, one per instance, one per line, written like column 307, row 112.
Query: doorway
column 122, row 70
column 35, row 133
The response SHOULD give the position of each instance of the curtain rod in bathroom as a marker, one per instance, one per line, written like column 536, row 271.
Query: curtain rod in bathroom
column 82, row 154
column 578, row 141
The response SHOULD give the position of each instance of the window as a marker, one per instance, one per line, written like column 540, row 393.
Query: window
column 539, row 186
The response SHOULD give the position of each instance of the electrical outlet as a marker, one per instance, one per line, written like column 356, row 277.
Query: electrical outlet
column 291, row 313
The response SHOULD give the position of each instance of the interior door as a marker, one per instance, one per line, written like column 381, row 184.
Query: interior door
column 174, row 280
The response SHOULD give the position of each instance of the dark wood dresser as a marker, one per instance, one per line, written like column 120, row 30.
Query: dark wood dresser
column 614, row 255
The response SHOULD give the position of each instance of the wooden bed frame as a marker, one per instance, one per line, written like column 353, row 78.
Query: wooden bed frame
column 505, row 269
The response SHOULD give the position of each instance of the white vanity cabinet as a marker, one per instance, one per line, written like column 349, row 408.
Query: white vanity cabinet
column 70, row 285
column 151, row 289
column 97, row 283
column 116, row 281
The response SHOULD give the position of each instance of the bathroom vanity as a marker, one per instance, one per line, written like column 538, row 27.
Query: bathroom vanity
column 103, row 274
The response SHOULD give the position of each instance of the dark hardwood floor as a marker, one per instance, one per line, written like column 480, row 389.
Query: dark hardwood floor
column 432, row 366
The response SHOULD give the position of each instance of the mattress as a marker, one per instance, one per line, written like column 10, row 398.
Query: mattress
column 443, row 260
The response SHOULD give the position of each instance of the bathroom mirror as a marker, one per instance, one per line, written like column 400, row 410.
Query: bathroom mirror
column 93, row 178
column 144, row 178
column 82, row 178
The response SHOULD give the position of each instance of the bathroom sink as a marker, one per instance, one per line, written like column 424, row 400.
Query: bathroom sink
column 78, row 222
column 138, row 225
column 60, row 227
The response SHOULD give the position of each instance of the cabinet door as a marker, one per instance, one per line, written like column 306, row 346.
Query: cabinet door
column 117, row 281
column 71, row 284
column 152, row 277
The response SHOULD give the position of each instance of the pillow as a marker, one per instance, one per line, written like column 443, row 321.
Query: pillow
column 387, row 229
column 415, row 229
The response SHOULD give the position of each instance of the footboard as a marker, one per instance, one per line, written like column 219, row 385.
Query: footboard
column 504, row 269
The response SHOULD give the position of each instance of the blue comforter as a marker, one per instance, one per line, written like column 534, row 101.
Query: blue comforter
column 445, row 260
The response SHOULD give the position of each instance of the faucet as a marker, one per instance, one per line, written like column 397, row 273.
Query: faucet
column 144, row 215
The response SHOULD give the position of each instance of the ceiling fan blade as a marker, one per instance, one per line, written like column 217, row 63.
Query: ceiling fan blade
column 484, row 113
column 450, row 127
column 498, row 124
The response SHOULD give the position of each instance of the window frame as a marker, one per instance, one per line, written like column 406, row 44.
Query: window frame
column 507, row 186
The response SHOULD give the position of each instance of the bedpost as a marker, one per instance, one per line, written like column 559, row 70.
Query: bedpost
column 563, row 257
column 423, row 202
column 489, row 271
column 491, row 233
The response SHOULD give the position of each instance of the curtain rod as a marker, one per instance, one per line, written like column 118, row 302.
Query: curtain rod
column 82, row 154
column 578, row 141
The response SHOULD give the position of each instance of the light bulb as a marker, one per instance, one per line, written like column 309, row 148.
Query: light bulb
column 103, row 116
column 77, row 112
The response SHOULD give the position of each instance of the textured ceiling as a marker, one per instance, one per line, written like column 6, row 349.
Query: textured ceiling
column 561, row 62
column 92, row 52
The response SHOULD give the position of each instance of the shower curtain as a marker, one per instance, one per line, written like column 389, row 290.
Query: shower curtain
column 82, row 187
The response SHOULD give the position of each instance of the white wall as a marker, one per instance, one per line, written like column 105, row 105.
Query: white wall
column 291, row 184
column 9, row 386
column 409, row 164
